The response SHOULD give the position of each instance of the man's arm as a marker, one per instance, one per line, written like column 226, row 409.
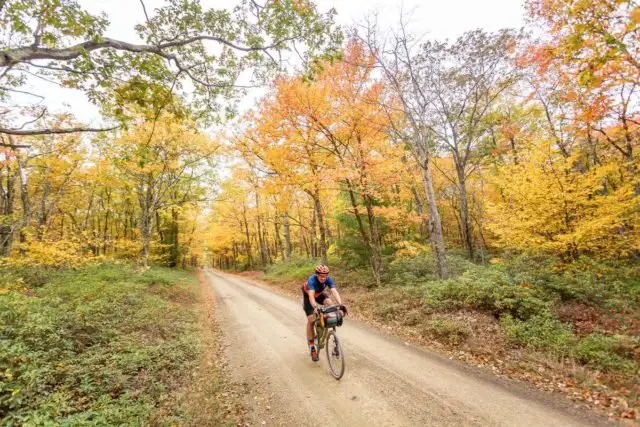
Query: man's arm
column 336, row 295
column 312, row 299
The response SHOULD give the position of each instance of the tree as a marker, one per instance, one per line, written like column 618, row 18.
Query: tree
column 156, row 158
column 332, row 129
column 462, row 82
column 396, row 58
column 181, row 42
column 285, row 142
column 592, row 49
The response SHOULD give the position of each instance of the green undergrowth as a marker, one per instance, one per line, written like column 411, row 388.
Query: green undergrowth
column 100, row 345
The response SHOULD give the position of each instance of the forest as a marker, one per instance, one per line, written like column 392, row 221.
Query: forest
column 492, row 179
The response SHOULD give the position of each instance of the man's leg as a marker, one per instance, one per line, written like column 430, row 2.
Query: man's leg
column 310, row 331
column 308, row 309
column 310, row 341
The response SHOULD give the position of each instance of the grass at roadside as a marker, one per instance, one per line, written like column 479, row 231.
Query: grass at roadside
column 572, row 331
column 103, row 344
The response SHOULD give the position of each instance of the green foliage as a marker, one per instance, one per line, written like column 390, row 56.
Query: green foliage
column 100, row 345
column 351, row 251
column 292, row 269
column 611, row 285
column 419, row 269
column 607, row 352
column 411, row 270
column 243, row 42
column 445, row 330
column 486, row 289
column 541, row 332
column 545, row 332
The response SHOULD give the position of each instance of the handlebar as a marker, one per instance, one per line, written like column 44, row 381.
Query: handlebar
column 332, row 308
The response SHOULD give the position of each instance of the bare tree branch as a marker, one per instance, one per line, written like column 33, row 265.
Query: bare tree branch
column 28, row 53
column 34, row 132
column 146, row 15
column 41, row 115
column 21, row 91
column 6, row 71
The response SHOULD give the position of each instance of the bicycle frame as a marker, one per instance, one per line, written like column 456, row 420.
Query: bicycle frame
column 325, row 333
column 321, row 329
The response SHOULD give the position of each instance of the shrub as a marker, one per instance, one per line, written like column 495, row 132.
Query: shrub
column 445, row 330
column 292, row 269
column 50, row 254
column 545, row 332
column 94, row 345
column 415, row 269
column 351, row 252
column 406, row 271
column 485, row 289
column 608, row 353
column 541, row 332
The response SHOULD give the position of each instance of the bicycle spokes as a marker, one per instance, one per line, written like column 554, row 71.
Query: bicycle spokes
column 335, row 355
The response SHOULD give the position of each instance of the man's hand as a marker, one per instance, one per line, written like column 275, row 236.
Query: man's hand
column 343, row 308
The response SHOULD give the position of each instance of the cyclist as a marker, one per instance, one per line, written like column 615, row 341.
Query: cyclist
column 314, row 292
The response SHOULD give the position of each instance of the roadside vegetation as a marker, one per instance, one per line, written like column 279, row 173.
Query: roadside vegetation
column 481, row 195
column 575, row 330
column 104, row 344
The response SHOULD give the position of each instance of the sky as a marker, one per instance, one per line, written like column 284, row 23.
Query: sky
column 437, row 19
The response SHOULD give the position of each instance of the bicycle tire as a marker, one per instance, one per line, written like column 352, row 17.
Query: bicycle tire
column 335, row 355
column 319, row 341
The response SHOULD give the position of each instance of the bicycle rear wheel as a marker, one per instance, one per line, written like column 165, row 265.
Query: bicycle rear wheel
column 335, row 355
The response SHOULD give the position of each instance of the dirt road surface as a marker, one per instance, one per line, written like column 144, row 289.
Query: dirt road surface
column 386, row 383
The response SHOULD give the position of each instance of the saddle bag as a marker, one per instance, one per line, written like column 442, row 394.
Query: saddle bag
column 332, row 319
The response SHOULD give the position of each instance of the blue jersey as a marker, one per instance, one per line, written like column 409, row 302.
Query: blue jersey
column 313, row 284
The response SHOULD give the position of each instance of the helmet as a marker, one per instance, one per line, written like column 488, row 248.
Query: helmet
column 322, row 269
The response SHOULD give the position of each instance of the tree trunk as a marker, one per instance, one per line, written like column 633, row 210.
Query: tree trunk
column 7, row 227
column 356, row 212
column 235, row 255
column 321, row 226
column 146, row 227
column 287, row 235
column 420, row 211
column 314, row 246
column 279, row 246
column 146, row 221
column 372, row 247
column 175, row 249
column 248, row 240
column 261, row 242
column 24, row 197
column 374, row 241
column 435, row 225
column 105, row 232
column 465, row 219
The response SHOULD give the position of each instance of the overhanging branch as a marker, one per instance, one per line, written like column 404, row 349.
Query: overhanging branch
column 18, row 55
column 47, row 131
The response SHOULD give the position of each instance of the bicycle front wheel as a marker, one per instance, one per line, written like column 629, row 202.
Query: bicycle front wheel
column 335, row 355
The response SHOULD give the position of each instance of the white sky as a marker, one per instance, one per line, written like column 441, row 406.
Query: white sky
column 438, row 19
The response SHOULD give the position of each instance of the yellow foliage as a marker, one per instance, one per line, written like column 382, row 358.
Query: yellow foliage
column 407, row 249
column 547, row 202
column 50, row 253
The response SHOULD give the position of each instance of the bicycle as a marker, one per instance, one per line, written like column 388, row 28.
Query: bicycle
column 325, row 326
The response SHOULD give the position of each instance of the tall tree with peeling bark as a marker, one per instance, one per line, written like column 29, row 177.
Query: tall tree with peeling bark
column 396, row 57
column 462, row 83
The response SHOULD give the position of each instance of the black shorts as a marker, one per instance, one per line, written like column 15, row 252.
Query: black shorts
column 306, row 304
